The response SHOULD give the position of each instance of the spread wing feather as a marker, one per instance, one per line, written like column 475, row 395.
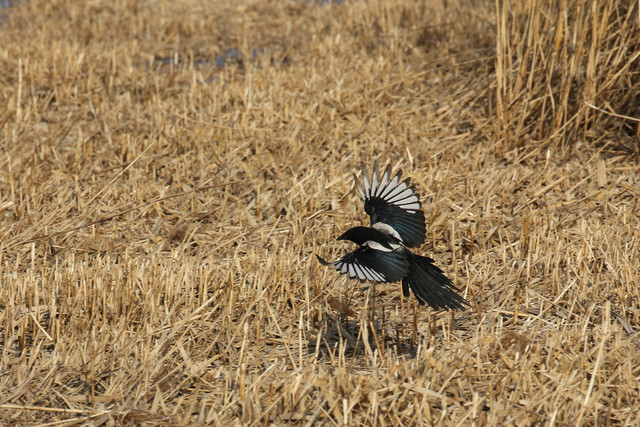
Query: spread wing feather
column 371, row 264
column 394, row 203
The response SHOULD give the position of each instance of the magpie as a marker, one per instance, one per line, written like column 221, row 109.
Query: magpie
column 397, row 223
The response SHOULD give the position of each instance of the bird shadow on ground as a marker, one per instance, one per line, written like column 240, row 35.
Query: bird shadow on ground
column 345, row 333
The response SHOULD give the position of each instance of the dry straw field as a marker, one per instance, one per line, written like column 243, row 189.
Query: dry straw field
column 168, row 170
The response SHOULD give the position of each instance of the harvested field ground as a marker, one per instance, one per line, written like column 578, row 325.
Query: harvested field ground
column 168, row 170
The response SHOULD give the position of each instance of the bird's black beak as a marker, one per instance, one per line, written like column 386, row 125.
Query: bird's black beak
column 342, row 237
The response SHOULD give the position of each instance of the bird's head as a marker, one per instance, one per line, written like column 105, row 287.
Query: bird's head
column 357, row 235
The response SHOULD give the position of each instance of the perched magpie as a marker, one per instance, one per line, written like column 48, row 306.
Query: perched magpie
column 397, row 222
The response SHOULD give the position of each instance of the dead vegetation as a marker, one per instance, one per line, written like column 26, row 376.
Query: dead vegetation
column 168, row 170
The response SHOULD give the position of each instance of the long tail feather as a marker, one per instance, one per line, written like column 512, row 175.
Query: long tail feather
column 431, row 286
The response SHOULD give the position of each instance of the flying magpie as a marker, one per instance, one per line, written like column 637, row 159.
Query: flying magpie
column 397, row 223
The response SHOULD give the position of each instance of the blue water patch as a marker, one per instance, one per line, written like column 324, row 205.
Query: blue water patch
column 232, row 57
column 229, row 54
column 8, row 4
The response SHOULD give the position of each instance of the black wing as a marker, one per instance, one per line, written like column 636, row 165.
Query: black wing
column 370, row 264
column 392, row 203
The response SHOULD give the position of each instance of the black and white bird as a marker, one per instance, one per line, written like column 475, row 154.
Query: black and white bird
column 397, row 223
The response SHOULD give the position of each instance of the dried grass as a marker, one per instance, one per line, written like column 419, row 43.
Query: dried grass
column 159, row 212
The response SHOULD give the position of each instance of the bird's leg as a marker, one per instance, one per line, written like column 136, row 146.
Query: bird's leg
column 373, row 304
column 399, row 323
column 365, row 322
column 382, row 331
column 433, row 326
column 414, row 335
column 373, row 324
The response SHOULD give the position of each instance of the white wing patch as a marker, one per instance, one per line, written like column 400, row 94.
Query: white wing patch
column 343, row 267
column 383, row 184
column 387, row 229
column 396, row 191
column 352, row 272
column 392, row 186
column 374, row 179
column 360, row 271
column 378, row 247
column 371, row 274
